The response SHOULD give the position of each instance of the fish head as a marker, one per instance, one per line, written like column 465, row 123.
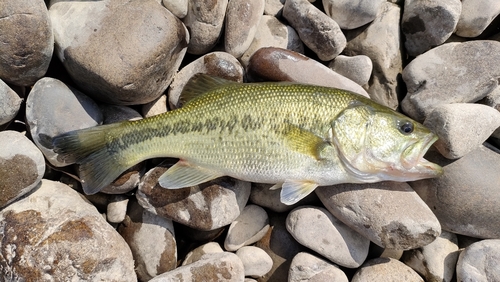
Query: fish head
column 376, row 143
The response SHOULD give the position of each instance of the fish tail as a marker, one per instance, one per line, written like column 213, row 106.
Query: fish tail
column 100, row 163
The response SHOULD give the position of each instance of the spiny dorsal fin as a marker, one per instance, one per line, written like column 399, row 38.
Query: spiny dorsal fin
column 200, row 84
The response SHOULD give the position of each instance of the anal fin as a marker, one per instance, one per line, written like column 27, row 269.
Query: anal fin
column 294, row 191
column 183, row 174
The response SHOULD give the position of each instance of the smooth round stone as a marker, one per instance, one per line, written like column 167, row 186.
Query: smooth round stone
column 278, row 64
column 152, row 241
column 255, row 261
column 271, row 199
column 117, row 209
column 63, row 237
column 381, row 42
column 204, row 20
column 450, row 73
column 461, row 127
column 219, row 64
column 351, row 14
column 476, row 16
column 306, row 267
column 249, row 227
column 465, row 198
column 207, row 206
column 74, row 111
column 158, row 106
column 385, row 270
column 357, row 68
column 178, row 7
column 196, row 254
column 122, row 53
column 211, row 267
column 242, row 20
column 21, row 166
column 390, row 214
column 436, row 261
column 318, row 31
column 27, row 41
column 320, row 231
column 426, row 24
column 116, row 113
column 11, row 102
column 480, row 262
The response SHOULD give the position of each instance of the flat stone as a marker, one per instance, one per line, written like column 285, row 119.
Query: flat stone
column 461, row 127
column 320, row 231
column 465, row 197
column 27, row 41
column 476, row 16
column 10, row 103
column 381, row 42
column 352, row 14
column 307, row 267
column 390, row 214
column 123, row 53
column 318, row 31
column 255, row 261
column 480, row 262
column 450, row 73
column 385, row 270
column 178, row 7
column 196, row 254
column 358, row 68
column 152, row 241
column 249, row 227
column 21, row 166
column 271, row 199
column 63, row 237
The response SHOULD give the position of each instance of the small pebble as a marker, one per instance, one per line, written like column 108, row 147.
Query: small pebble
column 249, row 227
column 271, row 199
column 255, row 261
column 385, row 270
column 357, row 68
column 476, row 16
column 480, row 262
column 196, row 254
column 117, row 209
column 350, row 14
column 10, row 103
column 306, row 267
column 158, row 106
column 178, row 7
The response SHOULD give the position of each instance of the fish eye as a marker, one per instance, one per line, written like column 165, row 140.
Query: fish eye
column 406, row 127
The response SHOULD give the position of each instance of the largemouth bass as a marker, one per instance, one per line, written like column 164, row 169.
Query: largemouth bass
column 295, row 136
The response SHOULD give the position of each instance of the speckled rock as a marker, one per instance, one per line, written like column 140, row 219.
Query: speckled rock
column 62, row 237
column 204, row 21
column 480, row 262
column 318, row 31
column 152, row 241
column 21, row 166
column 27, row 41
column 74, row 111
column 207, row 206
column 306, row 267
column 465, row 197
column 461, row 127
column 351, row 14
column 390, row 214
column 196, row 254
column 211, row 267
column 476, row 16
column 357, row 68
column 10, row 103
column 320, row 231
column 426, row 24
column 119, row 52
column 271, row 199
column 255, row 261
column 178, row 7
column 249, row 227
column 450, row 73
column 385, row 270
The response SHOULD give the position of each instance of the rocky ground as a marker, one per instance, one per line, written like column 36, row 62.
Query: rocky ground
column 67, row 65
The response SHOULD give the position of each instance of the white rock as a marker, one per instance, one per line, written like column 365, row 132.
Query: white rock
column 357, row 68
column 196, row 254
column 476, row 16
column 117, row 209
column 249, row 227
column 10, row 103
column 350, row 14
column 480, row 262
column 306, row 267
column 255, row 261
column 178, row 7
column 385, row 270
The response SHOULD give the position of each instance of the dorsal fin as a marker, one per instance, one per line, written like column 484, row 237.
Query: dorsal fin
column 200, row 84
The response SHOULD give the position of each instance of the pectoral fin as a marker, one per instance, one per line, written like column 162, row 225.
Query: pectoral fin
column 304, row 141
column 183, row 174
column 294, row 191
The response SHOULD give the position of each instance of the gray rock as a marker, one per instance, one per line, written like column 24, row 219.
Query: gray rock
column 306, row 267
column 204, row 21
column 21, row 166
column 27, row 41
column 357, row 68
column 152, row 241
column 320, row 231
column 465, row 197
column 122, row 53
column 196, row 254
column 158, row 106
column 116, row 113
column 278, row 64
column 271, row 199
column 274, row 8
column 381, row 42
column 426, row 24
column 178, row 7
column 385, row 270
column 63, row 238
column 117, row 209
column 242, row 20
column 10, row 103
column 390, row 214
column 318, row 31
column 450, row 73
column 476, row 16
column 74, row 111
column 352, row 14
column 255, row 261
column 480, row 262
column 249, row 227
column 461, row 127
column 211, row 267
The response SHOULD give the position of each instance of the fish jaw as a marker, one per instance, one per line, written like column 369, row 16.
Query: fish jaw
column 415, row 165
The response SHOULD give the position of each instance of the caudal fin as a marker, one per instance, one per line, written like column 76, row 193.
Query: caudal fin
column 92, row 149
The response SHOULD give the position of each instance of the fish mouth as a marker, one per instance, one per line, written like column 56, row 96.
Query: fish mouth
column 418, row 166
